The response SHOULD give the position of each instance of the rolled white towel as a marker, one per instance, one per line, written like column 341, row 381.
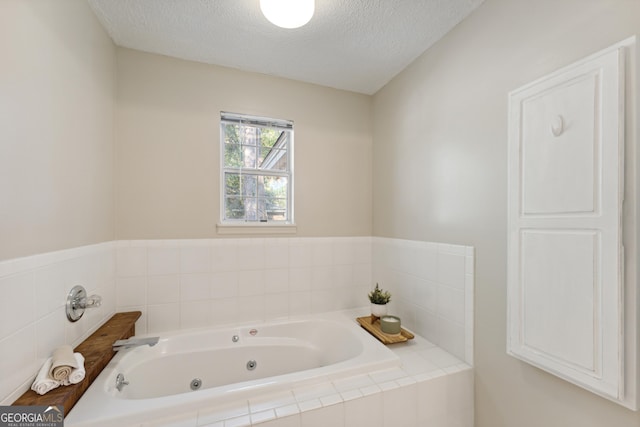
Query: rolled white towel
column 62, row 363
column 43, row 382
column 78, row 373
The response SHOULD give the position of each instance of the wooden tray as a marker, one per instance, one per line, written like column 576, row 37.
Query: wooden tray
column 372, row 325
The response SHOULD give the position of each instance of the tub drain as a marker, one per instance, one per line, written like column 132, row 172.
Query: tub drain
column 196, row 383
column 251, row 365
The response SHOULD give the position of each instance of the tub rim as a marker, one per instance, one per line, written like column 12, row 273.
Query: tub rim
column 91, row 410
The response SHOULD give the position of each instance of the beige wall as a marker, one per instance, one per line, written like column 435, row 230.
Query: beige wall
column 57, row 91
column 440, row 159
column 167, row 152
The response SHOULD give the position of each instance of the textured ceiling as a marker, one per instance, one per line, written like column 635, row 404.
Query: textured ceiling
column 356, row 45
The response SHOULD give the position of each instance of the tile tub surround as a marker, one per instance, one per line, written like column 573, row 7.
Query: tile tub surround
column 181, row 284
column 430, row 388
column 32, row 315
column 432, row 288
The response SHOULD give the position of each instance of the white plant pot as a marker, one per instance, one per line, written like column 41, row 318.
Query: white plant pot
column 378, row 310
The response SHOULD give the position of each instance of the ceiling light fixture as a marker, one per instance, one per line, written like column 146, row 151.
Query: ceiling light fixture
column 288, row 13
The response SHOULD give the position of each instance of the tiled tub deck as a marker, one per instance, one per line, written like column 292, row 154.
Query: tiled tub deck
column 430, row 388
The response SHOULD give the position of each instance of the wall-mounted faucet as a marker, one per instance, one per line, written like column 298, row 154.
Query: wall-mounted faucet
column 78, row 301
column 134, row 342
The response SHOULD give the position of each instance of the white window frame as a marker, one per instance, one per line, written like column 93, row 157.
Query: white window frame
column 240, row 226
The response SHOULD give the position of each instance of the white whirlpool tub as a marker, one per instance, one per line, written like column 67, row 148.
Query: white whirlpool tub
column 188, row 370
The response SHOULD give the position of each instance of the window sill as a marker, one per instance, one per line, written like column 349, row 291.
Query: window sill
column 253, row 229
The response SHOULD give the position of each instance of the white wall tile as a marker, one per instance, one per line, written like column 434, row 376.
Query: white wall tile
column 407, row 313
column 451, row 304
column 52, row 283
column 323, row 301
column 250, row 283
column 276, row 305
column 251, row 254
column 299, row 279
column 250, row 308
column 343, row 275
column 300, row 253
column 224, row 255
column 452, row 337
column 427, row 325
column 49, row 333
column 451, row 270
column 427, row 267
column 362, row 250
column 405, row 286
column 452, row 249
column 276, row 281
column 107, row 290
column 195, row 314
column 16, row 302
column 18, row 362
column 131, row 291
column 163, row 317
column 344, row 252
column 74, row 332
column 355, row 296
column 276, row 253
column 224, row 311
column 224, row 285
column 196, row 286
column 322, row 277
column 432, row 288
column 131, row 261
column 322, row 253
column 362, row 275
column 195, row 259
column 426, row 295
column 299, row 303
column 163, row 260
column 163, row 289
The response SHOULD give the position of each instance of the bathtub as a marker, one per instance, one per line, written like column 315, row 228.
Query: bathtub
column 189, row 370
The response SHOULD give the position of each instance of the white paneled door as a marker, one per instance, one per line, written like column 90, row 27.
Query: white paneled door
column 565, row 202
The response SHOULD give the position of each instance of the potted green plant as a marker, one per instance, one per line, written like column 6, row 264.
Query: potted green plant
column 379, row 299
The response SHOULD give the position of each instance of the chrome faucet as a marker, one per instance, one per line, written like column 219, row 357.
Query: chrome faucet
column 120, row 382
column 134, row 342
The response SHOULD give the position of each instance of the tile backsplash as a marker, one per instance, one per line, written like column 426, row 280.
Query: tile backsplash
column 32, row 308
column 181, row 284
column 432, row 288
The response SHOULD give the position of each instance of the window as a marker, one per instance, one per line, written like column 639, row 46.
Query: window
column 256, row 163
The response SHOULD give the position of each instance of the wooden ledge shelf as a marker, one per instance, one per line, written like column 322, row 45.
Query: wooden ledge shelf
column 97, row 352
column 372, row 325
